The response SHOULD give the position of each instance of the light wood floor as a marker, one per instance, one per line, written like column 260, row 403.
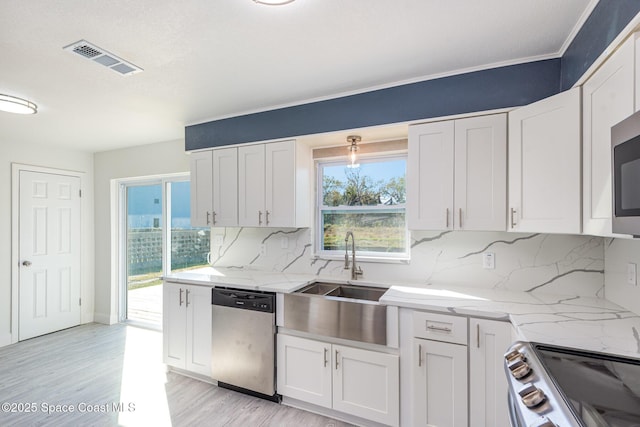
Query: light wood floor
column 94, row 368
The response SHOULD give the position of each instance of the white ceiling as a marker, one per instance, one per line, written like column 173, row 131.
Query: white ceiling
column 207, row 59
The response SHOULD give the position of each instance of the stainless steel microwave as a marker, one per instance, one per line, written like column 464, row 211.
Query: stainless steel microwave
column 625, row 179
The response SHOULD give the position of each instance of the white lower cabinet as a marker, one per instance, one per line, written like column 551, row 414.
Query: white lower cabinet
column 358, row 382
column 489, row 340
column 186, row 327
column 440, row 384
column 455, row 370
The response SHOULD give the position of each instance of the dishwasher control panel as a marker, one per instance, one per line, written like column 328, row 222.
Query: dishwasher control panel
column 256, row 301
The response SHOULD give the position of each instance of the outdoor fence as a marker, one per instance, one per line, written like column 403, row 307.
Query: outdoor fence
column 144, row 249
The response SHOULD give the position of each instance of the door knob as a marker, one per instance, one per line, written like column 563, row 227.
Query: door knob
column 26, row 263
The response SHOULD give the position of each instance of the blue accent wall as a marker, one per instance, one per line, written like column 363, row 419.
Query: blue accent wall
column 478, row 91
column 607, row 20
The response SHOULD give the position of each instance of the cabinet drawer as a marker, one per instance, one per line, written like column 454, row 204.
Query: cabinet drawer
column 440, row 327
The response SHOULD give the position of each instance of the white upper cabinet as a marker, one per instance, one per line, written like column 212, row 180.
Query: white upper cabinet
column 430, row 176
column 544, row 165
column 280, row 183
column 608, row 98
column 201, row 188
column 251, row 186
column 225, row 187
column 214, row 187
column 481, row 173
column 457, row 174
column 274, row 185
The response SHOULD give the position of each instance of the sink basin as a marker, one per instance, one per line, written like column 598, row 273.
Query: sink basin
column 357, row 292
column 338, row 310
column 344, row 291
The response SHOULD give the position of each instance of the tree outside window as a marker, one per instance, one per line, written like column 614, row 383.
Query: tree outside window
column 368, row 200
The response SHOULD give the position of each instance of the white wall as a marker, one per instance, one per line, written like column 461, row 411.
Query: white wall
column 618, row 253
column 43, row 156
column 141, row 161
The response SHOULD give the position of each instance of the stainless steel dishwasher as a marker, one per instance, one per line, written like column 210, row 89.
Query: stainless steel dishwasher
column 243, row 341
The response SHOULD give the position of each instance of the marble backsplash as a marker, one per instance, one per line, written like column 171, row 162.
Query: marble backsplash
column 550, row 263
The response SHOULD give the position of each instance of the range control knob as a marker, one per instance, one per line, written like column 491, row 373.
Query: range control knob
column 543, row 422
column 514, row 355
column 519, row 368
column 531, row 395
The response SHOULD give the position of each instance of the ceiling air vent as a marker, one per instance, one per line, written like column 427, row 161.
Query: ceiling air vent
column 101, row 56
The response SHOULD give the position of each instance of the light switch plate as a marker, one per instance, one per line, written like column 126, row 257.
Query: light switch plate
column 632, row 274
column 489, row 260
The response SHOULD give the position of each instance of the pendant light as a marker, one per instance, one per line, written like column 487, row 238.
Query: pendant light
column 353, row 148
column 12, row 104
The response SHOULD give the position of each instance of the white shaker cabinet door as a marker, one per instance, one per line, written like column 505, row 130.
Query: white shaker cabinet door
column 544, row 166
column 251, row 186
column 197, row 304
column 481, row 173
column 225, row 187
column 440, row 384
column 430, row 176
column 201, row 188
column 304, row 370
column 366, row 384
column 280, row 184
column 608, row 98
column 174, row 325
column 488, row 342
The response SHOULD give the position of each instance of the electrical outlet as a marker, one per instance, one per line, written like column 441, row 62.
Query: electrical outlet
column 218, row 240
column 262, row 249
column 284, row 242
column 632, row 274
column 489, row 260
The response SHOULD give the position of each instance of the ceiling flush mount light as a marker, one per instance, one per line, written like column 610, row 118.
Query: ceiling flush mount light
column 353, row 148
column 273, row 2
column 12, row 104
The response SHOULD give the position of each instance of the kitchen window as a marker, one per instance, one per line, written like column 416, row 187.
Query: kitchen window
column 368, row 200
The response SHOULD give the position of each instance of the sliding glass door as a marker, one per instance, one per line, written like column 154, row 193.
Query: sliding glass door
column 157, row 240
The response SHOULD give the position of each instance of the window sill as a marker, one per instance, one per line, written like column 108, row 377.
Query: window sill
column 364, row 259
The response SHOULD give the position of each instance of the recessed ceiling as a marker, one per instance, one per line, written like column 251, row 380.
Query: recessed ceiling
column 204, row 60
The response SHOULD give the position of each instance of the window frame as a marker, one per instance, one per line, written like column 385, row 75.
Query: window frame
column 319, row 208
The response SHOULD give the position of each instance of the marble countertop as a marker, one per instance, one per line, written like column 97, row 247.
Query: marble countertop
column 243, row 278
column 593, row 324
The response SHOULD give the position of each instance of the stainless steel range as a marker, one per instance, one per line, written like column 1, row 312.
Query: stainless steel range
column 557, row 386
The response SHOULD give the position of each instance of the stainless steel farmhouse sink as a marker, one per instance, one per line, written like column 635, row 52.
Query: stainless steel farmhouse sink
column 344, row 291
column 335, row 310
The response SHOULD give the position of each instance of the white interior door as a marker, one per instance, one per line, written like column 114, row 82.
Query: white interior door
column 49, row 253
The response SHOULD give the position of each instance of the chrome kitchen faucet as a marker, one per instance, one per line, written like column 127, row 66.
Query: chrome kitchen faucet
column 355, row 271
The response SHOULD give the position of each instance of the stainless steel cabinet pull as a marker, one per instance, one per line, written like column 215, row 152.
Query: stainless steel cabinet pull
column 187, row 304
column 435, row 328
column 419, row 355
column 513, row 214
column 478, row 334
column 326, row 351
column 447, row 217
column 259, row 217
column 337, row 360
column 267, row 217
column 208, row 214
column 460, row 217
column 213, row 215
column 180, row 297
